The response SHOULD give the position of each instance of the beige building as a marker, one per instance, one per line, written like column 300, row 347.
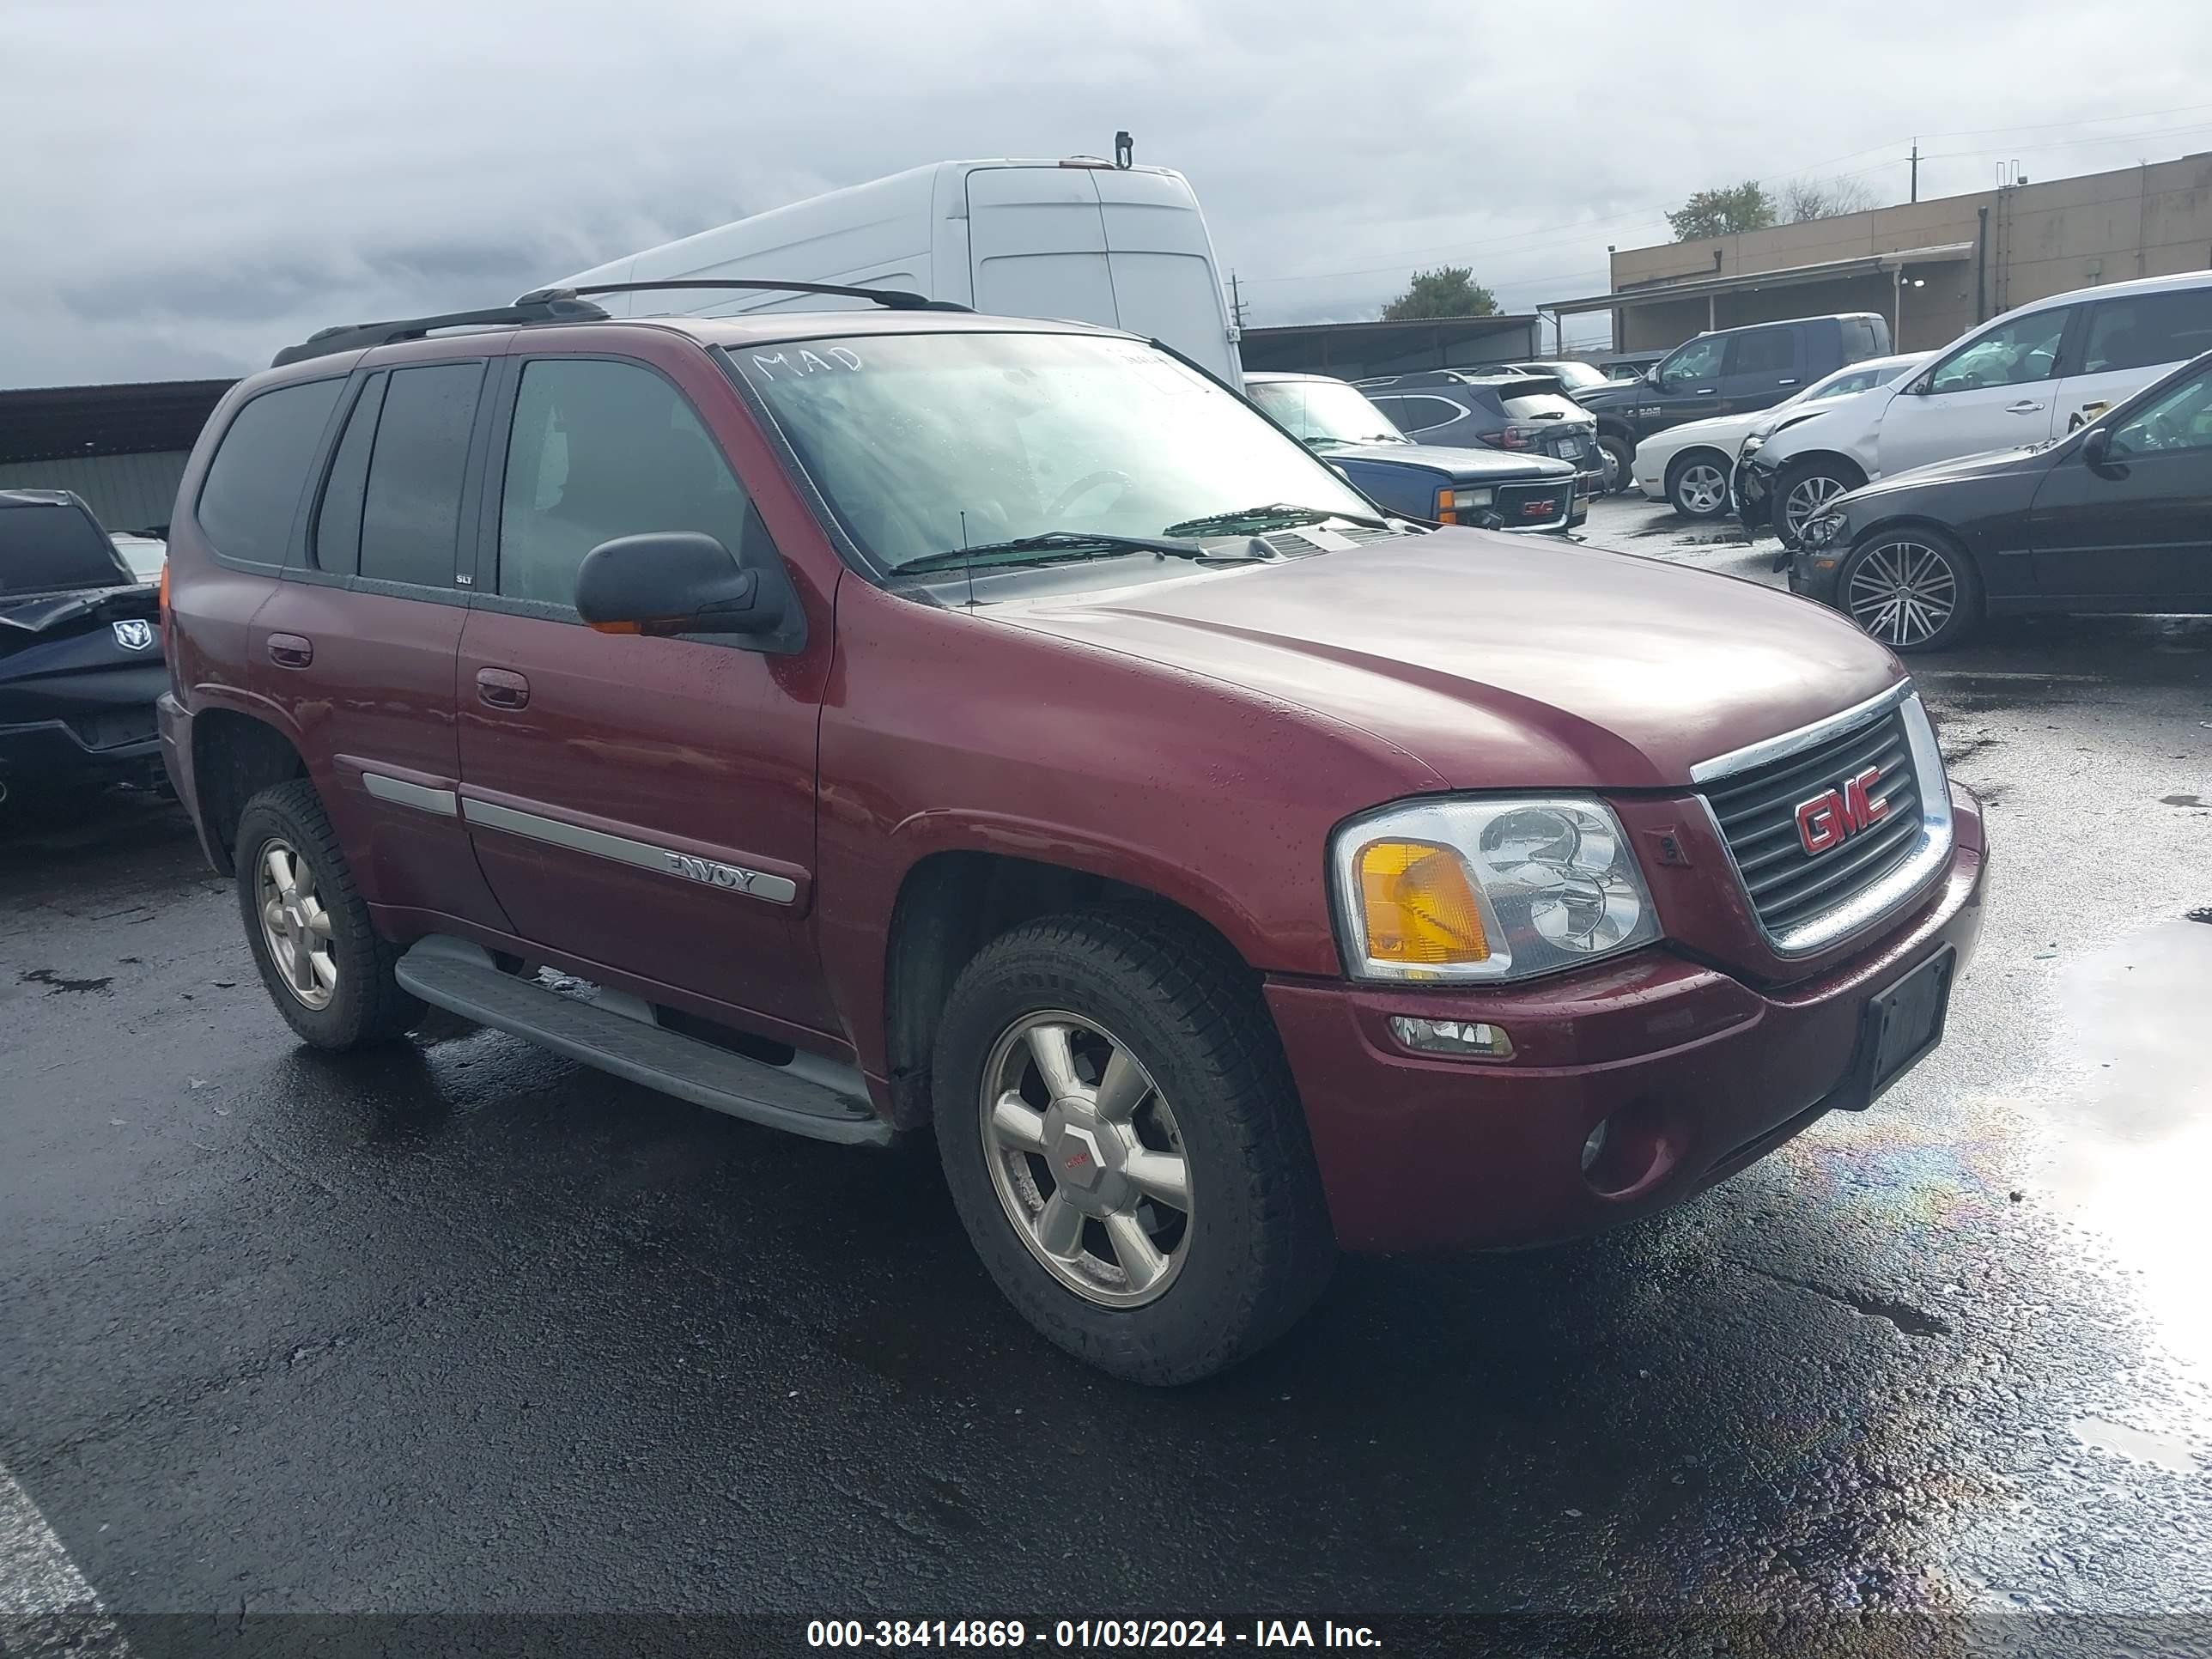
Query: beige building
column 1935, row 269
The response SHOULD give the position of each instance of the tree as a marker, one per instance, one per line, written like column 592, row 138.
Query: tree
column 1446, row 291
column 1823, row 199
column 1724, row 212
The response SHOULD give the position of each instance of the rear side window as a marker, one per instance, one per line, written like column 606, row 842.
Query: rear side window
column 254, row 484
column 410, row 513
column 1762, row 351
column 602, row 449
column 2148, row 329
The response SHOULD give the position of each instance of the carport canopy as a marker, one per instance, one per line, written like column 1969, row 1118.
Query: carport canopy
column 1698, row 287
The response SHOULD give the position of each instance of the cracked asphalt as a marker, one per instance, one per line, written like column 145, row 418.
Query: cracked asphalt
column 467, row 1328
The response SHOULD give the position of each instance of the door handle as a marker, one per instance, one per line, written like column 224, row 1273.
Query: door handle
column 2024, row 406
column 501, row 688
column 291, row 650
column 1707, row 390
column 1790, row 380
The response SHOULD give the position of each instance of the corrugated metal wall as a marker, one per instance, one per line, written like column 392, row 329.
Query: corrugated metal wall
column 125, row 492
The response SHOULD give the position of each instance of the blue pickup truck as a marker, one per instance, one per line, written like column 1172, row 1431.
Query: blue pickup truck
column 1446, row 485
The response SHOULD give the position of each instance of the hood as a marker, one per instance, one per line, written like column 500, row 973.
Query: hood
column 1714, row 429
column 1614, row 395
column 41, row 613
column 1498, row 662
column 2027, row 460
column 1465, row 465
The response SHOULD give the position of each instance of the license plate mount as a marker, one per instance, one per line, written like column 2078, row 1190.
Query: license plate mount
column 1899, row 1027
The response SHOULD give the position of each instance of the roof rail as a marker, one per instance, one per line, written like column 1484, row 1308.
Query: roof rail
column 550, row 307
column 895, row 299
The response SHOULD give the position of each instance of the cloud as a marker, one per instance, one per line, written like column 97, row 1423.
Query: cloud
column 214, row 180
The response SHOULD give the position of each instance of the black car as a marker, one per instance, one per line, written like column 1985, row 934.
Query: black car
column 81, row 660
column 1730, row 371
column 1448, row 485
column 1492, row 408
column 2115, row 517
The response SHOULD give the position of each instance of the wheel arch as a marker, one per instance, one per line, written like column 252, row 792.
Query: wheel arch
column 1835, row 458
column 235, row 756
column 950, row 903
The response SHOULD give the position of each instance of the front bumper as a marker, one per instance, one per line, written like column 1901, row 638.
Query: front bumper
column 1422, row 1153
column 1819, row 575
column 1750, row 488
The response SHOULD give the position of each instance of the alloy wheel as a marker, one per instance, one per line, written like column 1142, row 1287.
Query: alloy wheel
column 1807, row 496
column 1903, row 592
column 1087, row 1159
column 295, row 925
column 1701, row 488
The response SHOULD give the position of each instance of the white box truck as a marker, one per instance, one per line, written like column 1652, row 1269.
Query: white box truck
column 1081, row 240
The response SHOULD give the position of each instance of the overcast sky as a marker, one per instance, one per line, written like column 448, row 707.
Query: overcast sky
column 193, row 182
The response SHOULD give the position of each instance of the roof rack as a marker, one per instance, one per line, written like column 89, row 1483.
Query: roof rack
column 552, row 306
column 895, row 298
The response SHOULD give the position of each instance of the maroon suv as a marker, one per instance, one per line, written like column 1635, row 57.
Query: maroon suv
column 904, row 718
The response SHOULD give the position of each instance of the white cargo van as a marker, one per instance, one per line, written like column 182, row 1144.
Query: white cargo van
column 1081, row 240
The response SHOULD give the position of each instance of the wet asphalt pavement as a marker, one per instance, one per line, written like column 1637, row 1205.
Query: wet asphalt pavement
column 466, row 1327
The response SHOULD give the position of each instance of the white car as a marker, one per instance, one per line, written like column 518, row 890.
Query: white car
column 2029, row 376
column 1688, row 465
column 145, row 555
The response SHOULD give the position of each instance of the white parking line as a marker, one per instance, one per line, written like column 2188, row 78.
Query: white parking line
column 47, row 1607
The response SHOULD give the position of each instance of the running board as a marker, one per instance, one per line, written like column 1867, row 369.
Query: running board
column 461, row 978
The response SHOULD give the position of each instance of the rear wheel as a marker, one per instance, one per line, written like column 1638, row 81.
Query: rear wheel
column 1123, row 1143
column 1697, row 484
column 1619, row 463
column 1803, row 489
column 325, row 968
column 1911, row 589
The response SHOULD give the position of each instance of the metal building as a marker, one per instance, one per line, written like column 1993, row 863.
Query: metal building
column 121, row 448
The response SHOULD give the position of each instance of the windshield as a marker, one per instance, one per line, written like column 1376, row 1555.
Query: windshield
column 52, row 547
column 1322, row 412
column 925, row 443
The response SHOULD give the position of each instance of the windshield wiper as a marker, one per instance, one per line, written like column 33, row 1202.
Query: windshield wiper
column 1055, row 544
column 1275, row 513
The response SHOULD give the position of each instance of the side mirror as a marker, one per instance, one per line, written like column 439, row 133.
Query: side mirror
column 2097, row 449
column 672, row 581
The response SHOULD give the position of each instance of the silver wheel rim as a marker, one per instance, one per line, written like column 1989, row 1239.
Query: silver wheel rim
column 1903, row 592
column 1087, row 1159
column 294, row 926
column 1807, row 497
column 1608, row 469
column 1701, row 488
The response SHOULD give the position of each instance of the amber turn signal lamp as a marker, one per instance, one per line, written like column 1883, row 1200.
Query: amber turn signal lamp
column 1419, row 907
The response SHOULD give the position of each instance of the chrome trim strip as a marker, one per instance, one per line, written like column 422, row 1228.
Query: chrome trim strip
column 1805, row 737
column 1870, row 905
column 660, row 860
column 401, row 792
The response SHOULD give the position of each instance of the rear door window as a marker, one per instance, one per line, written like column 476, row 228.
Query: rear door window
column 411, row 514
column 337, row 543
column 1419, row 414
column 1772, row 351
column 2145, row 329
column 254, row 484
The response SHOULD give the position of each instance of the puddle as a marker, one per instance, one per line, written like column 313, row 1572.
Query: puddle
column 2164, row 1451
column 2134, row 1137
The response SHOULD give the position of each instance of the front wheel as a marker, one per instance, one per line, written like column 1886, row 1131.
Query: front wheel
column 1913, row 590
column 1122, row 1140
column 1619, row 464
column 1802, row 489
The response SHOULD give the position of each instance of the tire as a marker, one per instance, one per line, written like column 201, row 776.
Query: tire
column 361, row 1003
column 1622, row 453
column 1824, row 479
column 1250, row 1250
column 1894, row 565
column 1697, row 484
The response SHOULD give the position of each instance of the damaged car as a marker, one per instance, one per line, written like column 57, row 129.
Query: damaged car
column 81, row 659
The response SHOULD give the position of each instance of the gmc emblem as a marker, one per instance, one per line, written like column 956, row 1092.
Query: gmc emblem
column 1831, row 818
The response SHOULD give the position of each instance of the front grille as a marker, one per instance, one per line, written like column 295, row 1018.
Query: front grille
column 1757, row 811
column 1524, row 506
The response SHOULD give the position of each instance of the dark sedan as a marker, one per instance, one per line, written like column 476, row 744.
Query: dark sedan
column 2115, row 517
column 1440, row 482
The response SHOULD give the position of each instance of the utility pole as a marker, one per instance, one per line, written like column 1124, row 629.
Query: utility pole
column 1236, row 302
column 1916, row 169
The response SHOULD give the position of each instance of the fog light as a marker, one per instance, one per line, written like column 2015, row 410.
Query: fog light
column 1593, row 1148
column 1453, row 1036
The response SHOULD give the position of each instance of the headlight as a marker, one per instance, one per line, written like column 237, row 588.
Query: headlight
column 1751, row 445
column 1463, row 498
column 1816, row 533
column 1457, row 890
